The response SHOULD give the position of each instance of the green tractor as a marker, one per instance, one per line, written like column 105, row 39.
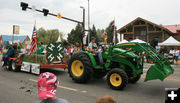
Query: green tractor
column 122, row 65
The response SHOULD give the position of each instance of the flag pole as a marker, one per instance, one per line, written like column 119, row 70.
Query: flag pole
column 36, row 39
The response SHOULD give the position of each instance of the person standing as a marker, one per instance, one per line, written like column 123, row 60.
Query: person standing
column 72, row 50
column 171, row 51
column 47, row 84
column 69, row 50
column 176, row 55
column 171, row 56
column 1, row 48
column 40, row 48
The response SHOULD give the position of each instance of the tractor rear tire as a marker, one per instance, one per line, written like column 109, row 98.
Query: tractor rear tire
column 134, row 79
column 99, row 74
column 15, row 68
column 80, row 68
column 117, row 79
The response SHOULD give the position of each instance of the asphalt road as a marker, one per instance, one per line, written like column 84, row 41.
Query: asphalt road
column 21, row 87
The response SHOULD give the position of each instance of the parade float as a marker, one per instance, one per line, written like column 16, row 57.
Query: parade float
column 54, row 58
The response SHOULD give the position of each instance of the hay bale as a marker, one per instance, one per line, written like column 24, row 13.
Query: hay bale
column 41, row 59
column 34, row 58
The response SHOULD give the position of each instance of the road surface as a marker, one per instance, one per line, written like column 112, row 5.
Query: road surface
column 21, row 87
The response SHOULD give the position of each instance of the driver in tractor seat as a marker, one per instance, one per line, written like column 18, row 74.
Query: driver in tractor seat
column 93, row 48
column 9, row 54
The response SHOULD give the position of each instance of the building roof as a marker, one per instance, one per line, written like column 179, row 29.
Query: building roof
column 173, row 28
column 141, row 19
column 9, row 38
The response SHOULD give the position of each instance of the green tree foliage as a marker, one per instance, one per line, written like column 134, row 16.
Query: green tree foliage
column 47, row 36
column 65, row 43
column 109, row 31
column 93, row 33
column 75, row 35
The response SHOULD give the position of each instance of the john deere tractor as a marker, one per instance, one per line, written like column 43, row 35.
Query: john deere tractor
column 122, row 65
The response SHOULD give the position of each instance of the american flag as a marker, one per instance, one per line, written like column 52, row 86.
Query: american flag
column 102, row 35
column 112, row 24
column 34, row 42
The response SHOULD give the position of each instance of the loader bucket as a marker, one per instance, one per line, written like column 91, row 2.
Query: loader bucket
column 159, row 72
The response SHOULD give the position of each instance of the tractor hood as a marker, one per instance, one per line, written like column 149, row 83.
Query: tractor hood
column 124, row 53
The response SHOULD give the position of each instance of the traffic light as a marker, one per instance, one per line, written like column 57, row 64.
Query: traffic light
column 45, row 11
column 24, row 6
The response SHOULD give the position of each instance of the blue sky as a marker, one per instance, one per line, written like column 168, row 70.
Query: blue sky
column 164, row 12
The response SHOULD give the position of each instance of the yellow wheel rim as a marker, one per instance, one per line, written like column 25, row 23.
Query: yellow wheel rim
column 77, row 68
column 115, row 79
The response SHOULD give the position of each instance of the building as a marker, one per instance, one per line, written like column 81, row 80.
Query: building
column 147, row 31
column 7, row 39
column 175, row 29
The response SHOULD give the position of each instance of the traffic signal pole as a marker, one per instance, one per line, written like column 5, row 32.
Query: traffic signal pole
column 46, row 12
column 56, row 15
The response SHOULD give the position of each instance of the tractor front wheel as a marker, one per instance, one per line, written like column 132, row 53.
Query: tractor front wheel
column 80, row 68
column 117, row 79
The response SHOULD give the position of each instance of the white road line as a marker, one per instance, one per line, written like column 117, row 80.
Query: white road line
column 33, row 80
column 67, row 88
column 72, row 89
column 84, row 91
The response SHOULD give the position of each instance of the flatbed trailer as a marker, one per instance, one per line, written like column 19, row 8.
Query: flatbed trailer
column 15, row 64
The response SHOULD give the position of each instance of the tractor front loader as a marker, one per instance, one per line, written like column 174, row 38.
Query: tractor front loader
column 161, row 68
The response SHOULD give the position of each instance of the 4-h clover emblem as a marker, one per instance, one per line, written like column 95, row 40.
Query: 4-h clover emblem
column 55, row 52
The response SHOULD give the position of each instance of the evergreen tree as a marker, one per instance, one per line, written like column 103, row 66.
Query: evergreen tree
column 93, row 33
column 75, row 35
column 109, row 31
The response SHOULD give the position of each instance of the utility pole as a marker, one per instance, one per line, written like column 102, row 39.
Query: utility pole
column 83, row 25
column 88, row 23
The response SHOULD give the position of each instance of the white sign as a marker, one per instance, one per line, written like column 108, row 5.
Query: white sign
column 15, row 29
column 26, row 67
column 35, row 68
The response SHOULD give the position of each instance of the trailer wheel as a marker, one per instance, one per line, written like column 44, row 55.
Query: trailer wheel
column 80, row 68
column 2, row 62
column 9, row 66
column 134, row 79
column 117, row 79
column 14, row 67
